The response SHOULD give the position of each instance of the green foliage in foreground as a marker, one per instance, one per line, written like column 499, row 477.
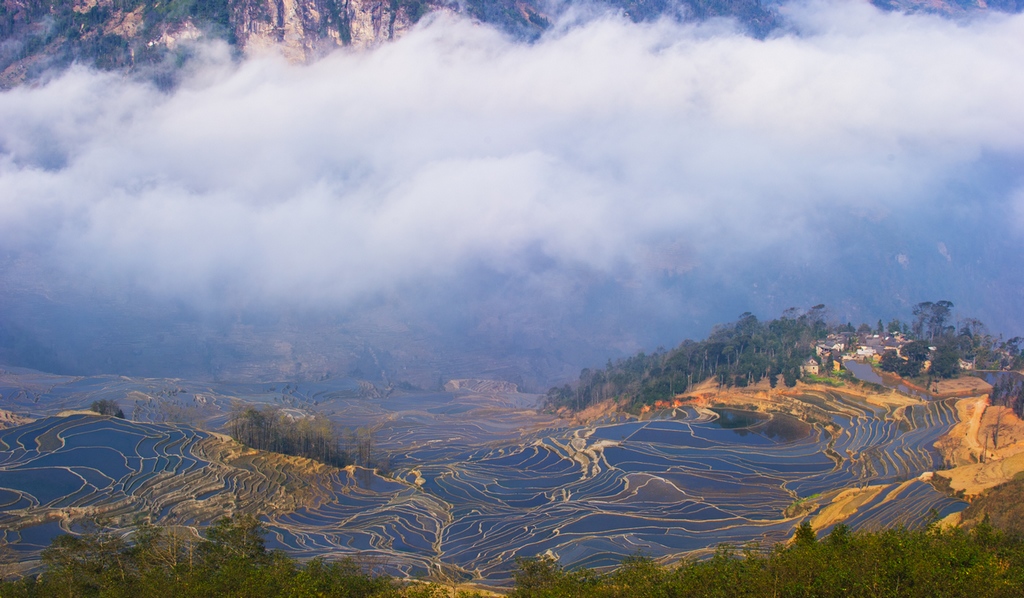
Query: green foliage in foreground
column 232, row 561
column 893, row 563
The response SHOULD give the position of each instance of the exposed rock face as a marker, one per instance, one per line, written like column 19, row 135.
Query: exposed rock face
column 304, row 29
column 38, row 34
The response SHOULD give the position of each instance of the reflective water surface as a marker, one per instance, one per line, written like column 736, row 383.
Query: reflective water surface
column 477, row 475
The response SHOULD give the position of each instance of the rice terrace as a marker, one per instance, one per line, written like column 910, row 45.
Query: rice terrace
column 464, row 479
column 520, row 298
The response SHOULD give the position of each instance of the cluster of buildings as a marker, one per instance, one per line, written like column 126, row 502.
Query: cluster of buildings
column 873, row 346
column 860, row 346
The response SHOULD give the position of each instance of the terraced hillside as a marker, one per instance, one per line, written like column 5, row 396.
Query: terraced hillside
column 59, row 473
column 478, row 476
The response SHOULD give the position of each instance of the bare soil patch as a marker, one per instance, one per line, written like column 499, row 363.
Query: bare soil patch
column 985, row 449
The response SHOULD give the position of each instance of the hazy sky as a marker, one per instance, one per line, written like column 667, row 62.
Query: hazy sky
column 864, row 159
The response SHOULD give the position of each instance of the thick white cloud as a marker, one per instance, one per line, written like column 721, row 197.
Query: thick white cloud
column 606, row 147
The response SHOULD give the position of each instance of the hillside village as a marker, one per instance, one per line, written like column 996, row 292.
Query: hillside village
column 933, row 347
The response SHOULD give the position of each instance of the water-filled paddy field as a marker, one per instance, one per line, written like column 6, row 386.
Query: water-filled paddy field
column 477, row 477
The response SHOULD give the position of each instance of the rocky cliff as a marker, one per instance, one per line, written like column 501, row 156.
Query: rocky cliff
column 152, row 35
column 306, row 28
column 39, row 34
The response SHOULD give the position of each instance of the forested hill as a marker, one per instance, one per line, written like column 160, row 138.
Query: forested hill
column 747, row 351
column 739, row 353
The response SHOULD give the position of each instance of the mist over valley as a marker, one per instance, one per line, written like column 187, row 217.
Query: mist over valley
column 377, row 238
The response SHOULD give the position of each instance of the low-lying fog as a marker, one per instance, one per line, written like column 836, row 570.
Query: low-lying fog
column 460, row 203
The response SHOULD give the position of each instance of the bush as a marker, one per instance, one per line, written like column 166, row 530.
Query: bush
column 107, row 407
column 233, row 561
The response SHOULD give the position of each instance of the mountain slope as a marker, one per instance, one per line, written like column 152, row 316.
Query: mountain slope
column 118, row 34
column 154, row 34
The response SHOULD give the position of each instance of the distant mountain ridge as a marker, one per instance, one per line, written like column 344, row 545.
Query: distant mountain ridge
column 36, row 35
column 950, row 7
column 139, row 34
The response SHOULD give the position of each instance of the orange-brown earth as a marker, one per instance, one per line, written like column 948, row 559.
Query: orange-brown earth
column 9, row 420
column 762, row 397
column 985, row 449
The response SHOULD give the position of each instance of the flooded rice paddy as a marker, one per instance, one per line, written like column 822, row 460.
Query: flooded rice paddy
column 478, row 477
